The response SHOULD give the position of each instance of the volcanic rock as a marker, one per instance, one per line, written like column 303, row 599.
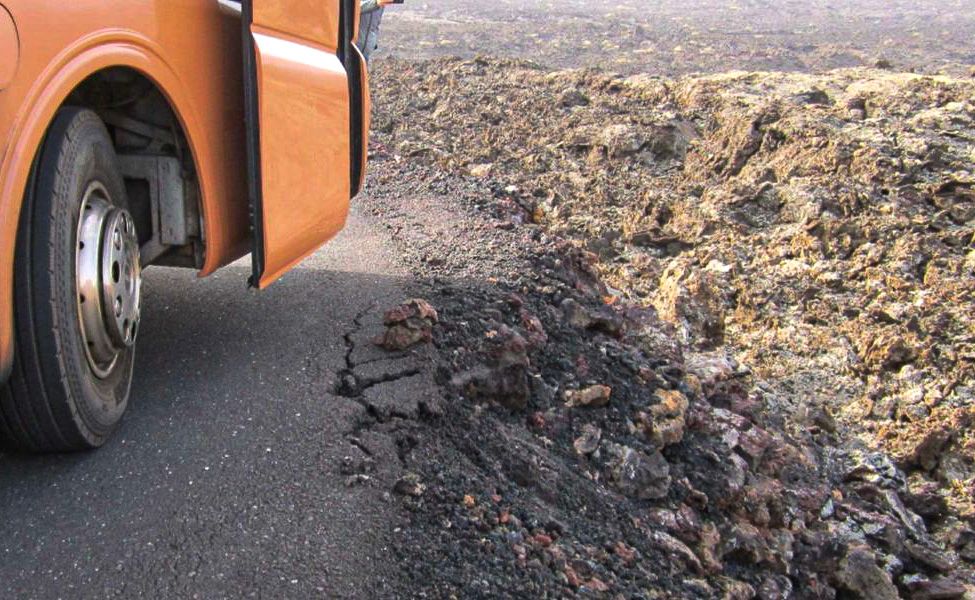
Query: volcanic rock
column 638, row 475
column 408, row 324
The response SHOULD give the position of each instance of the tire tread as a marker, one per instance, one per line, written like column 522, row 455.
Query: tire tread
column 35, row 413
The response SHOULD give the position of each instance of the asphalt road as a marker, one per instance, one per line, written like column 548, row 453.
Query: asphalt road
column 224, row 478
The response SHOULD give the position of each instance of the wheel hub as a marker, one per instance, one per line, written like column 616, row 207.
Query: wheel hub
column 109, row 279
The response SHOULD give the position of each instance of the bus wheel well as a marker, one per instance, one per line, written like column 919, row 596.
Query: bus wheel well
column 156, row 162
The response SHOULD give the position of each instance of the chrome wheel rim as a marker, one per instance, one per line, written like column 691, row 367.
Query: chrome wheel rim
column 109, row 280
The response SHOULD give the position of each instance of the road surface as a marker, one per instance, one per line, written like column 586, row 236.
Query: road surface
column 224, row 479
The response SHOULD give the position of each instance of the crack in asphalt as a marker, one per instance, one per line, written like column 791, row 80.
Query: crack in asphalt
column 346, row 384
column 392, row 356
column 357, row 327
column 370, row 382
column 352, row 385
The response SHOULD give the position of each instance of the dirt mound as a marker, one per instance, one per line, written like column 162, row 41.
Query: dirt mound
column 788, row 262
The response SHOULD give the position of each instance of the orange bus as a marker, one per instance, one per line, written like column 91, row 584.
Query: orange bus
column 184, row 133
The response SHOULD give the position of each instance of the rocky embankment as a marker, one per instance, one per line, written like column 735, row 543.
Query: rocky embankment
column 702, row 337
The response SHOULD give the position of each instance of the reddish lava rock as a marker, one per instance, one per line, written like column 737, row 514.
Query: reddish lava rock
column 408, row 324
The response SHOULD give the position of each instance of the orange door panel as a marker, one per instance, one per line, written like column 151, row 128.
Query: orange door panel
column 298, row 111
column 313, row 21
